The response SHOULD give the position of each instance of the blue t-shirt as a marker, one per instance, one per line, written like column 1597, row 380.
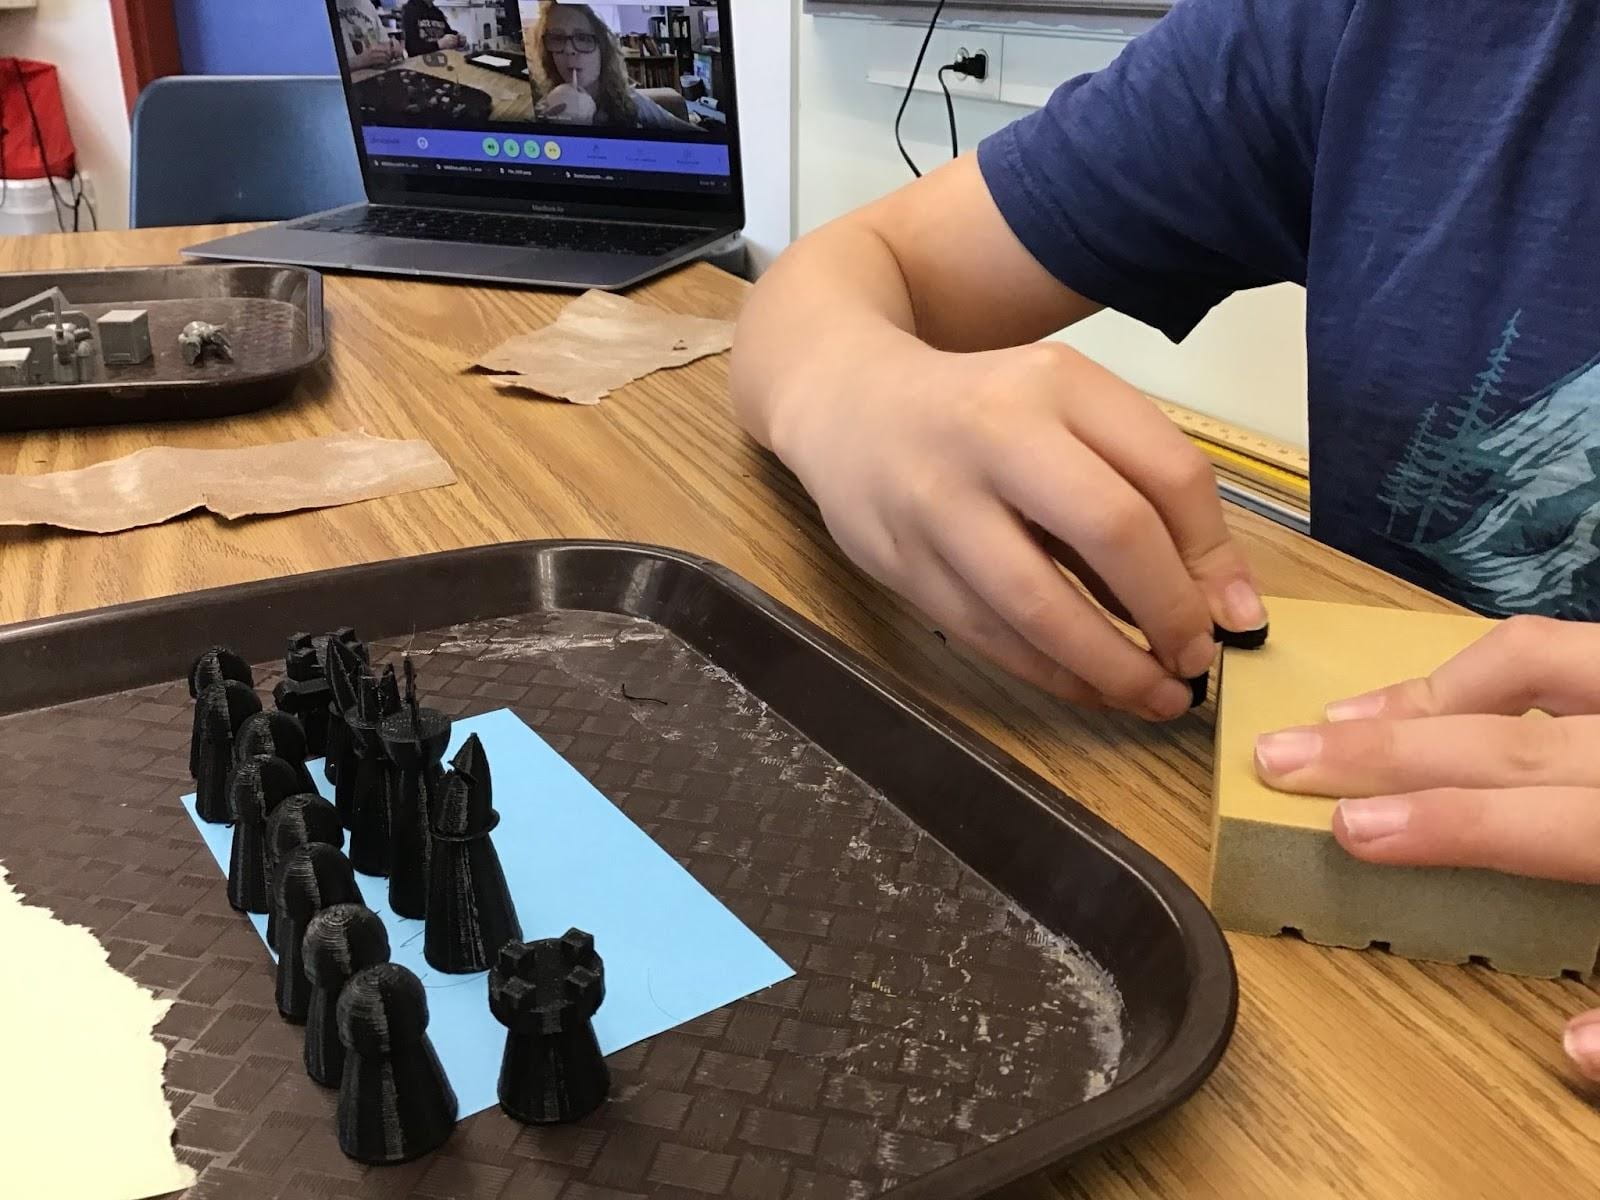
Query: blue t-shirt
column 1431, row 173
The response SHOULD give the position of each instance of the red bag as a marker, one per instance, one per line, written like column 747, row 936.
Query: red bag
column 34, row 138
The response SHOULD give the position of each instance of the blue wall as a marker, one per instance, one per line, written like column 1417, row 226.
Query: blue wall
column 255, row 37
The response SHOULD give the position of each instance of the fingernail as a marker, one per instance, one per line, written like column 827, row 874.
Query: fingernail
column 1242, row 606
column 1168, row 699
column 1582, row 1044
column 1357, row 708
column 1372, row 817
column 1198, row 687
column 1280, row 753
column 1197, row 657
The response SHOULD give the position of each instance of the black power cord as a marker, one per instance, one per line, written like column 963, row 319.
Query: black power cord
column 974, row 66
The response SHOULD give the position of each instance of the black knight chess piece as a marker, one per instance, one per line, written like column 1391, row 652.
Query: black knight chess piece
column 340, row 940
column 414, row 739
column 395, row 1103
column 546, row 993
column 310, row 878
column 301, row 820
column 259, row 784
column 220, row 710
column 278, row 734
column 470, row 913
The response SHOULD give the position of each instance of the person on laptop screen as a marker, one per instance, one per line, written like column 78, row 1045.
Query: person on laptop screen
column 366, row 44
column 580, row 70
column 426, row 30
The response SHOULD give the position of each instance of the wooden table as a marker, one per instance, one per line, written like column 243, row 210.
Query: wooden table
column 1350, row 1074
column 511, row 98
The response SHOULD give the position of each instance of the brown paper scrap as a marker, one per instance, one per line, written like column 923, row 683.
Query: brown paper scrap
column 600, row 342
column 163, row 482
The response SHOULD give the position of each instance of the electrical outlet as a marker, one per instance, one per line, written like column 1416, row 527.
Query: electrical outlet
column 891, row 64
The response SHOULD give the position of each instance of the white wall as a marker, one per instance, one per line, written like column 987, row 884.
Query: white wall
column 1244, row 364
column 76, row 35
column 764, row 40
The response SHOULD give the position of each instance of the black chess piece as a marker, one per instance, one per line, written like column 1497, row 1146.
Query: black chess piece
column 370, row 780
column 259, row 784
column 278, row 734
column 304, row 693
column 310, row 878
column 395, row 1103
column 343, row 658
column 340, row 940
column 470, row 913
column 220, row 710
column 546, row 993
column 414, row 739
column 216, row 665
column 300, row 820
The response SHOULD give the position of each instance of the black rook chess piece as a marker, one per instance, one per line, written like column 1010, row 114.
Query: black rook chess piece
column 340, row 940
column 470, row 914
column 301, row 820
column 545, row 993
column 279, row 734
column 220, row 710
column 216, row 665
column 260, row 783
column 304, row 692
column 310, row 878
column 343, row 659
column 395, row 1103
column 369, row 781
column 414, row 739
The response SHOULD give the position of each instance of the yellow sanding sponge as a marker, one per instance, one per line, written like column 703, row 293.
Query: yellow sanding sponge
column 1274, row 863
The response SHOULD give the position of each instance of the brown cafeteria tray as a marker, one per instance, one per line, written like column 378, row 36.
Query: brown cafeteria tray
column 273, row 316
column 947, row 1028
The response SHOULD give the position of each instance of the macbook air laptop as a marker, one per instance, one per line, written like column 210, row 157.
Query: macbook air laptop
column 518, row 141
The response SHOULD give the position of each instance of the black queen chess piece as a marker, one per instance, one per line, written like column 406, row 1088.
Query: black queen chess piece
column 340, row 940
column 395, row 1103
column 546, row 994
column 310, row 878
column 260, row 783
column 470, row 913
column 414, row 740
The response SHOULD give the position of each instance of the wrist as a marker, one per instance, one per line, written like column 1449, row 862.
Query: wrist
column 805, row 398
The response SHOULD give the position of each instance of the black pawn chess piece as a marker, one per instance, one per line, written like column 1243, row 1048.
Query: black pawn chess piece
column 304, row 693
column 310, row 878
column 220, row 710
column 546, row 993
column 216, row 665
column 343, row 659
column 470, row 913
column 278, row 734
column 414, row 739
column 395, row 1103
column 260, row 783
column 369, row 781
column 301, row 820
column 340, row 940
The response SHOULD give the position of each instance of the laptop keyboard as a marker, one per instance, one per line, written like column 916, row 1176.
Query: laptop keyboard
column 501, row 229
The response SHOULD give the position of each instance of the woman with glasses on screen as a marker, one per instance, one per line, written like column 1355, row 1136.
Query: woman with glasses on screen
column 583, row 77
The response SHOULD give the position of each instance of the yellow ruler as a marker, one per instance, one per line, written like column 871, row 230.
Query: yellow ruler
column 1251, row 458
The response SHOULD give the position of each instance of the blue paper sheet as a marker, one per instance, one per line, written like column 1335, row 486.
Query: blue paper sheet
column 672, row 951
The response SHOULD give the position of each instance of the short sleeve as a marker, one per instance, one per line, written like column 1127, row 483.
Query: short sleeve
column 1182, row 172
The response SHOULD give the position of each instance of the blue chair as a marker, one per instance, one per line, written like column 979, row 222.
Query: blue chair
column 215, row 148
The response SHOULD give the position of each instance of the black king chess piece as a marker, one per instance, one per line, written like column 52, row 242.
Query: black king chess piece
column 259, row 784
column 395, row 1103
column 220, row 710
column 310, row 878
column 546, row 993
column 340, row 940
column 470, row 913
column 414, row 739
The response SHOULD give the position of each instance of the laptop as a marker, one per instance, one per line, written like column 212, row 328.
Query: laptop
column 516, row 141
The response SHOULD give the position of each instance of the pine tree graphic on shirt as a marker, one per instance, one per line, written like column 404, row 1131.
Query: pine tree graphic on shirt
column 1508, row 507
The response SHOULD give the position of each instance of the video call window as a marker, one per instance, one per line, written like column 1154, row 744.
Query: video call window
column 541, row 64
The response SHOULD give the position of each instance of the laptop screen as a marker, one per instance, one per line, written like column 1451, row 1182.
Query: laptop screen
column 543, row 101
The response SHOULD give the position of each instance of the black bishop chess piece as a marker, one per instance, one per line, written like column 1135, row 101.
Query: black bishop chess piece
column 395, row 1103
column 414, row 739
column 344, row 659
column 216, row 665
column 278, row 734
column 310, row 878
column 340, row 940
column 220, row 710
column 301, row 820
column 304, row 693
column 546, row 993
column 370, row 779
column 470, row 913
column 260, row 783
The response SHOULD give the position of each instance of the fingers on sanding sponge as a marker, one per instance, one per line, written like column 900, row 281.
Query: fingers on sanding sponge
column 340, row 940
column 310, row 878
column 221, row 708
column 395, row 1103
column 1246, row 639
column 470, row 913
column 260, row 784
column 546, row 994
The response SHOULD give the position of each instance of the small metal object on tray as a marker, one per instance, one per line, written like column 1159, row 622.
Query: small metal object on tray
column 988, row 978
column 274, row 320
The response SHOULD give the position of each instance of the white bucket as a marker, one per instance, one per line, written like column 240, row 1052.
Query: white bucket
column 27, row 206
